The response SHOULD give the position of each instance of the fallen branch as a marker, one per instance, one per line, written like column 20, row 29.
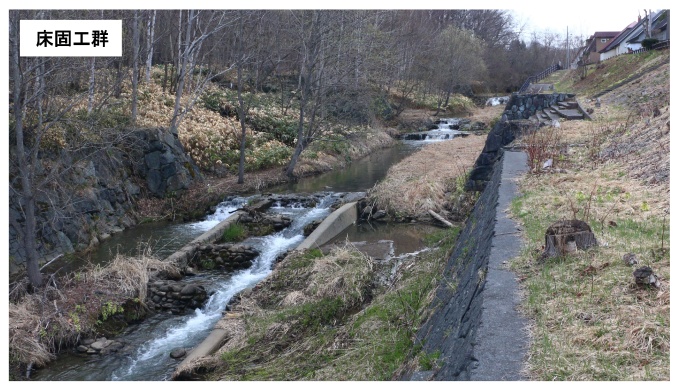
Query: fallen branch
column 440, row 218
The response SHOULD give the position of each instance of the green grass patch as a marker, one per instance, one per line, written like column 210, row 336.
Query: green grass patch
column 327, row 317
column 235, row 232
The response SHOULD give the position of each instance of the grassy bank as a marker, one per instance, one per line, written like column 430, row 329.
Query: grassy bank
column 335, row 316
column 434, row 177
column 92, row 302
column 591, row 320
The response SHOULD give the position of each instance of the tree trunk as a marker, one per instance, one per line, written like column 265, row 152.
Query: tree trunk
column 25, row 170
column 241, row 105
column 149, row 47
column 165, row 77
column 301, row 136
column 135, row 64
column 182, row 75
column 294, row 159
column 90, row 91
column 567, row 236
column 118, row 86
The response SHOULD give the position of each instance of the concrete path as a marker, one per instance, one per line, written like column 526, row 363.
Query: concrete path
column 502, row 340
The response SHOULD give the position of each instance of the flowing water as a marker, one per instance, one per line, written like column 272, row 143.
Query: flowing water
column 148, row 345
column 147, row 357
column 447, row 129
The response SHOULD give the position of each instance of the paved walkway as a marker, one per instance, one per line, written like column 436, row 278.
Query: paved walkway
column 502, row 339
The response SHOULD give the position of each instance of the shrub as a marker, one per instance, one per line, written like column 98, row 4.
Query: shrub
column 541, row 145
column 649, row 42
column 213, row 101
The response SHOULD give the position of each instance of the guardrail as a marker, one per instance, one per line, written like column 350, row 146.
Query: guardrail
column 553, row 68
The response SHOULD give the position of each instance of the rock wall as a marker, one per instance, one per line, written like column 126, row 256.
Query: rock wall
column 94, row 194
column 506, row 130
column 523, row 106
column 165, row 168
column 456, row 308
column 175, row 296
column 228, row 257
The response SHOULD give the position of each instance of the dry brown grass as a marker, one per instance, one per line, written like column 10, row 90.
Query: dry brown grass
column 278, row 323
column 42, row 323
column 423, row 181
column 487, row 115
column 357, row 148
column 591, row 321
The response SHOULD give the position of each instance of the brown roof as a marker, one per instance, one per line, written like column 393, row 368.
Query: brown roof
column 605, row 34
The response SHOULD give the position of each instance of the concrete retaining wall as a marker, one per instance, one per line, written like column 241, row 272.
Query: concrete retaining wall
column 457, row 305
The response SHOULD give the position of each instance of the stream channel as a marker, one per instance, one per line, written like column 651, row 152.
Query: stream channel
column 145, row 355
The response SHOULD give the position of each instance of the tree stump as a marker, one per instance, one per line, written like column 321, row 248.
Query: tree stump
column 568, row 236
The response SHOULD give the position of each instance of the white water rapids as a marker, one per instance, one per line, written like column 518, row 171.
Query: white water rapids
column 149, row 344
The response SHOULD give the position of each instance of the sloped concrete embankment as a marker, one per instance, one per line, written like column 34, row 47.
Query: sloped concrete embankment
column 456, row 309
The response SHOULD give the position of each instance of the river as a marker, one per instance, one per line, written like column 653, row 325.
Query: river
column 148, row 345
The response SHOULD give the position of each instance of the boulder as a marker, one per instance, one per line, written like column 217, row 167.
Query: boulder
column 644, row 276
column 178, row 353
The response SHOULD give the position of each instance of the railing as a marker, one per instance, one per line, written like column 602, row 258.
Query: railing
column 553, row 68
column 657, row 46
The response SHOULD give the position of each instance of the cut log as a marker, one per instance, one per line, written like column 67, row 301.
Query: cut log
column 440, row 218
column 568, row 236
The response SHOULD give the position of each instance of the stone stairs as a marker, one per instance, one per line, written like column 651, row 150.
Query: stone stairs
column 567, row 109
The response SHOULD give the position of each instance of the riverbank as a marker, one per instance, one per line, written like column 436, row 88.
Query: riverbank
column 195, row 202
column 379, row 139
column 592, row 321
column 356, row 315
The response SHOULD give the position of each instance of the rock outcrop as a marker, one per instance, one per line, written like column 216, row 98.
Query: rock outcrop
column 95, row 192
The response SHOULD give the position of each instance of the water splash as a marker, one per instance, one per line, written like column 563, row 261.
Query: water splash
column 151, row 357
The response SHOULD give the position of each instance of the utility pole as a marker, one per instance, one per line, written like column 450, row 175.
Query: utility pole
column 568, row 53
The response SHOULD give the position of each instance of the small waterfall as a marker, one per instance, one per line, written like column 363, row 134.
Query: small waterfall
column 222, row 211
column 446, row 129
column 196, row 326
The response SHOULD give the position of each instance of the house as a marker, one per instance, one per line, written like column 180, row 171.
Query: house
column 660, row 29
column 630, row 39
column 597, row 42
column 619, row 45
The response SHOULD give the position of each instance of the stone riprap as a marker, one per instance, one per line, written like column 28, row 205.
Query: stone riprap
column 99, row 346
column 175, row 296
column 226, row 257
column 523, row 106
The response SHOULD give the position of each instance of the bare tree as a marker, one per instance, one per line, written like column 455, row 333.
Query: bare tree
column 460, row 62
column 198, row 30
column 135, row 64
column 149, row 45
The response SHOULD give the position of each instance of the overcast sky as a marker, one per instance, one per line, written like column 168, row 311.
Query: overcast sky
column 584, row 20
